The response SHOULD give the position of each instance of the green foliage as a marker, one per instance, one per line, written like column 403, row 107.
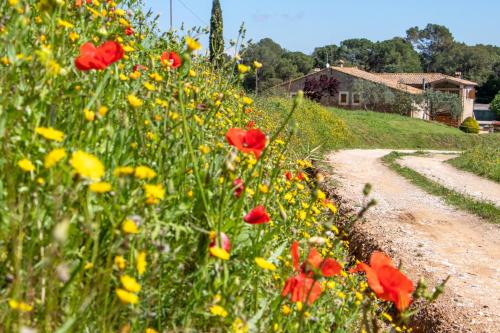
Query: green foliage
column 482, row 159
column 394, row 56
column 495, row 104
column 278, row 64
column 438, row 102
column 216, row 39
column 470, row 125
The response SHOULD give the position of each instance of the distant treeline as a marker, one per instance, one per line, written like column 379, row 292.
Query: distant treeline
column 432, row 49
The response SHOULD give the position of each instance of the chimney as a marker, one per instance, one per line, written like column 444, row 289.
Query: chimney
column 458, row 75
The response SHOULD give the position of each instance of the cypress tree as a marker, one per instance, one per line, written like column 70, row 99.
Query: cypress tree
column 216, row 34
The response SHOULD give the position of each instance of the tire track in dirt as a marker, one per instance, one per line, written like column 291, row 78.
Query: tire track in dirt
column 432, row 239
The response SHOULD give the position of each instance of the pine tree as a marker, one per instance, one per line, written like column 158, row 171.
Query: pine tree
column 216, row 34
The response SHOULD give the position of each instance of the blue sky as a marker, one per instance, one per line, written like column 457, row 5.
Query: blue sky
column 300, row 25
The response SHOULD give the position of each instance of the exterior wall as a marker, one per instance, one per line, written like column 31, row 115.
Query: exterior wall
column 345, row 85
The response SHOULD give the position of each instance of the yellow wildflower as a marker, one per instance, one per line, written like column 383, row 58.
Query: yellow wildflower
column 219, row 252
column 73, row 36
column 26, row 165
column 120, row 262
column 151, row 330
column 53, row 157
column 239, row 326
column 89, row 115
column 130, row 284
column 154, row 193
column 123, row 171
column 87, row 165
column 144, row 172
column 50, row 134
column 40, row 181
column 218, row 310
column 192, row 44
column 13, row 2
column 149, row 86
column 21, row 306
column 135, row 75
column 242, row 69
column 141, row 263
column 100, row 187
column 247, row 100
column 88, row 266
column 127, row 297
column 129, row 227
column 135, row 101
column 102, row 111
column 64, row 24
column 157, row 77
column 204, row 149
column 128, row 48
column 123, row 77
column 264, row 264
column 257, row 65
column 286, row 310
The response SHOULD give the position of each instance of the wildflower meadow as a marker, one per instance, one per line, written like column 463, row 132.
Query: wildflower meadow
column 138, row 193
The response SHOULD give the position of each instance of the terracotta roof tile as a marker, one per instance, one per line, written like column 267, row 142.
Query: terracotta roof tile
column 417, row 78
column 394, row 84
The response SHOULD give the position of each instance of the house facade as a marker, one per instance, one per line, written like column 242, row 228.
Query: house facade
column 411, row 83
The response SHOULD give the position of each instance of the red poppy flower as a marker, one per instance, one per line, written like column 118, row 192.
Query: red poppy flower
column 302, row 288
column 288, row 175
column 223, row 242
column 386, row 281
column 238, row 187
column 92, row 57
column 171, row 59
column 129, row 31
column 258, row 215
column 251, row 141
column 250, row 124
column 300, row 176
column 304, row 284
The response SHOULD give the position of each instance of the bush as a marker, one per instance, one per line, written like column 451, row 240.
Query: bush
column 495, row 104
column 470, row 125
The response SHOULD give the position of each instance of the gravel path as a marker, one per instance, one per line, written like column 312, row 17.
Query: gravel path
column 435, row 168
column 431, row 238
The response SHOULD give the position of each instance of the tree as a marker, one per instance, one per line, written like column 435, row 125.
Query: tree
column 216, row 38
column 316, row 89
column 442, row 103
column 373, row 96
column 393, row 56
column 491, row 87
column 430, row 41
column 356, row 52
column 303, row 62
column 324, row 54
column 495, row 104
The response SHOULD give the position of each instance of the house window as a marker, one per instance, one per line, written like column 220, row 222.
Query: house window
column 356, row 100
column 343, row 98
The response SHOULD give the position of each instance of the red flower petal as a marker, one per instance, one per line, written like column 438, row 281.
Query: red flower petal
column 98, row 58
column 258, row 215
column 314, row 258
column 111, row 52
column 251, row 141
column 172, row 57
column 330, row 267
column 295, row 255
column 223, row 242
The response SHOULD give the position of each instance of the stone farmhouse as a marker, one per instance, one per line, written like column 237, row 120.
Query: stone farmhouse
column 411, row 83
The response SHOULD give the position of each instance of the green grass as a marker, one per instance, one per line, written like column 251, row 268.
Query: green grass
column 483, row 160
column 485, row 210
column 380, row 130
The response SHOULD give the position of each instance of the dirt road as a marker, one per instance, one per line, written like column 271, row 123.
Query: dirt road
column 430, row 238
column 435, row 168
